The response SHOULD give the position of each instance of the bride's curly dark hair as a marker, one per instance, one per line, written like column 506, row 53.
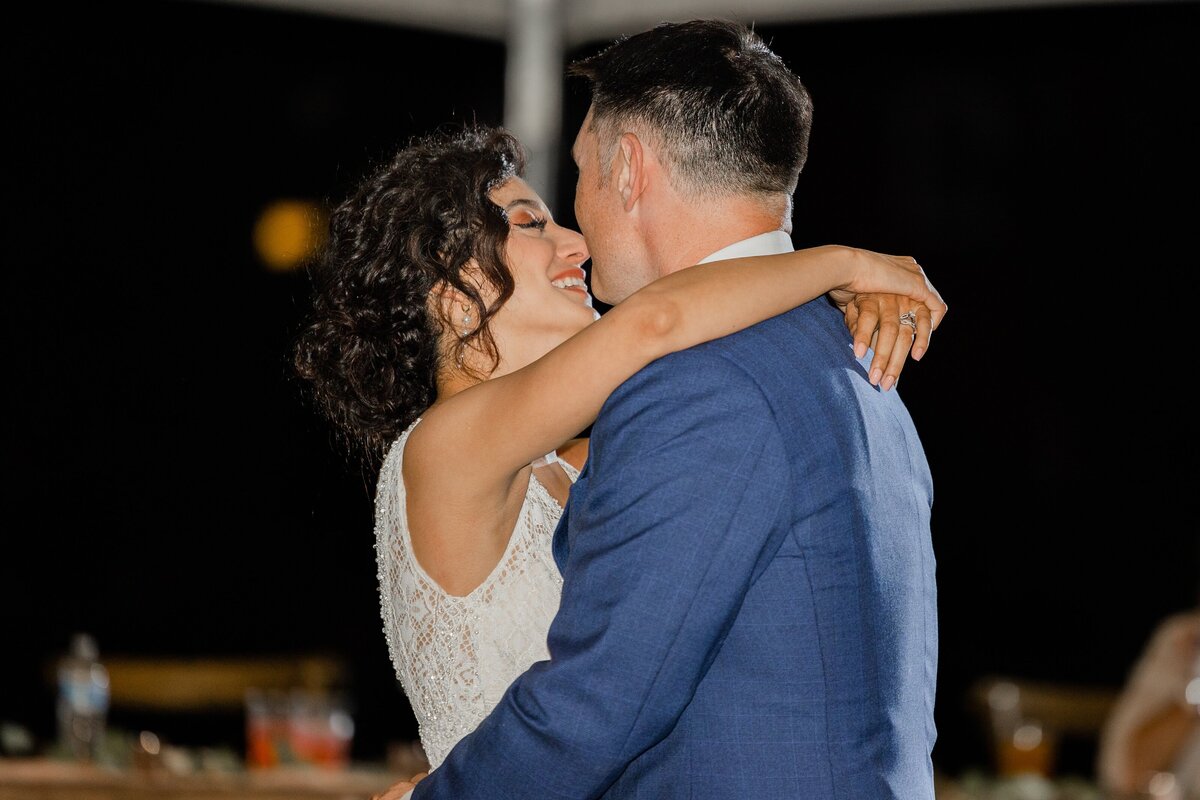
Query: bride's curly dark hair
column 370, row 350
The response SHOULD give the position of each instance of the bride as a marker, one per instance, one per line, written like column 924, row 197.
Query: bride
column 453, row 343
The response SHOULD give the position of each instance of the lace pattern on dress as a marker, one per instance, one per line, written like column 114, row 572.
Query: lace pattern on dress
column 455, row 656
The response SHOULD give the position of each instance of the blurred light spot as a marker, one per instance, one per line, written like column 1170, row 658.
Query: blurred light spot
column 1004, row 696
column 288, row 233
column 99, row 676
column 1162, row 785
column 149, row 742
column 341, row 724
column 15, row 739
column 1027, row 737
column 1192, row 693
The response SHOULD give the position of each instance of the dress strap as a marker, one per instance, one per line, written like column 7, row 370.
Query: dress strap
column 572, row 473
column 546, row 460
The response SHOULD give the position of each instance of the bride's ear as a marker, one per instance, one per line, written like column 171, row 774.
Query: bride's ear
column 454, row 308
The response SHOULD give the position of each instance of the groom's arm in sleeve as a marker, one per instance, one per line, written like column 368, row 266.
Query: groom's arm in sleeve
column 686, row 480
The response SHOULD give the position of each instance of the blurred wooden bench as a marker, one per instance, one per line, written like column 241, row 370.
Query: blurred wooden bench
column 177, row 684
column 173, row 683
column 1067, row 708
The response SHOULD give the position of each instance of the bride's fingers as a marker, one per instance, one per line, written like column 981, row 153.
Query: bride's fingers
column 888, row 314
column 923, row 332
column 934, row 304
column 861, row 319
column 877, row 321
column 930, row 296
column 895, row 365
column 937, row 309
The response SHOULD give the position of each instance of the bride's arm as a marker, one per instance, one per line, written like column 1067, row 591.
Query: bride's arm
column 872, row 301
column 485, row 434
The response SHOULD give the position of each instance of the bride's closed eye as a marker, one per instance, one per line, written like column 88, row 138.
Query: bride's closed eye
column 523, row 214
column 537, row 223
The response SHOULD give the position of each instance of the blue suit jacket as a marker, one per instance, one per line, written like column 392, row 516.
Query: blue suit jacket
column 749, row 605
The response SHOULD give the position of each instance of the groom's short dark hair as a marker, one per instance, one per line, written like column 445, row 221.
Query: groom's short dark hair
column 726, row 113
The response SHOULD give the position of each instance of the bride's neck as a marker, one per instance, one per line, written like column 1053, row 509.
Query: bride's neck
column 447, row 388
column 450, row 382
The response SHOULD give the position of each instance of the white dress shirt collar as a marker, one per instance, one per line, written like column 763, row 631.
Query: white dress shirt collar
column 764, row 244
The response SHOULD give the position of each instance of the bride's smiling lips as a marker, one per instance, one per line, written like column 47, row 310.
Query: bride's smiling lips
column 571, row 280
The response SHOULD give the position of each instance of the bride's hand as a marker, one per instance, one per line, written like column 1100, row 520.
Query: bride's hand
column 398, row 790
column 891, row 306
column 875, row 321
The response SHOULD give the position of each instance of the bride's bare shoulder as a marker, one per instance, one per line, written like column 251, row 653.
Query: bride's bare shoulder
column 422, row 468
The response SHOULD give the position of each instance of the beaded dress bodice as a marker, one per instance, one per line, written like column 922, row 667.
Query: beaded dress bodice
column 455, row 656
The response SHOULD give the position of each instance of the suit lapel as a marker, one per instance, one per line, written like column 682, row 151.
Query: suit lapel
column 560, row 546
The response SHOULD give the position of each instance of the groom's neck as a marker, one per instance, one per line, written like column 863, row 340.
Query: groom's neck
column 688, row 234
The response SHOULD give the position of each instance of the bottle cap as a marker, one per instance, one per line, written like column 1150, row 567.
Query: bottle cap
column 84, row 646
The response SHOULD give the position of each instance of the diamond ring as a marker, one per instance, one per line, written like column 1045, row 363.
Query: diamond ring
column 909, row 318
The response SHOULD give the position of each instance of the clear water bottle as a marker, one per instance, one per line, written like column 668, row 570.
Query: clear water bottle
column 82, row 699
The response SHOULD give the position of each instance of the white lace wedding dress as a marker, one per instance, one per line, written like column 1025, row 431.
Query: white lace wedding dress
column 455, row 656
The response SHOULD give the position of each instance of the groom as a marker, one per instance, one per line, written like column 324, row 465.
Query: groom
column 748, row 605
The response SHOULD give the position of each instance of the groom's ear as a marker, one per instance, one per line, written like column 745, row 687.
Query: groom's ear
column 631, row 169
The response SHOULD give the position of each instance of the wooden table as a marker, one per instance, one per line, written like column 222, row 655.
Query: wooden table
column 44, row 779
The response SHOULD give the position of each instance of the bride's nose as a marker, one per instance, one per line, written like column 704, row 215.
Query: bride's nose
column 571, row 247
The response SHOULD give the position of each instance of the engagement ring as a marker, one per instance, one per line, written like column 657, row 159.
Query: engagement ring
column 909, row 318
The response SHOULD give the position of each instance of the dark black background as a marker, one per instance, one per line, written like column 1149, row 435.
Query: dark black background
column 168, row 491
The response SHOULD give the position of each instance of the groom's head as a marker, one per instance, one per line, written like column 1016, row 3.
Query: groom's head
column 700, row 110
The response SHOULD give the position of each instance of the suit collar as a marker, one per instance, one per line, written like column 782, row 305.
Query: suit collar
column 764, row 244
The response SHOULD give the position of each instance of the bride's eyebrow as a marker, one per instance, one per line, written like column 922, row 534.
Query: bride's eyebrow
column 524, row 201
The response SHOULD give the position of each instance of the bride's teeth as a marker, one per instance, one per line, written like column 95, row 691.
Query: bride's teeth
column 563, row 283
